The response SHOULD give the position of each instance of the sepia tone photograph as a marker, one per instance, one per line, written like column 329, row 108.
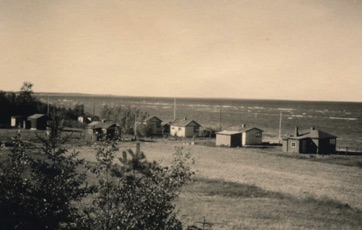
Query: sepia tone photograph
column 170, row 114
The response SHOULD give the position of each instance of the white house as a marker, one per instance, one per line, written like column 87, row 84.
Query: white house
column 184, row 128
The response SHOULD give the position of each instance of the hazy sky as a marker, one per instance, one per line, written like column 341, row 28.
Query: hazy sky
column 262, row 49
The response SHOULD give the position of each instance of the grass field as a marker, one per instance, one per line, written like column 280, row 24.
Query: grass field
column 249, row 188
column 262, row 188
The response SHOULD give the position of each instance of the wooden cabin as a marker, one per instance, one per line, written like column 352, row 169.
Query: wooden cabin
column 252, row 136
column 228, row 138
column 38, row 121
column 184, row 128
column 312, row 141
column 155, row 124
column 18, row 121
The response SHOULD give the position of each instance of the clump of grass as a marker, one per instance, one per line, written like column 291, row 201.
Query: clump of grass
column 218, row 187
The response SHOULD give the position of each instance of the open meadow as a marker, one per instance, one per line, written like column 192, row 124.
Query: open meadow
column 262, row 188
column 255, row 188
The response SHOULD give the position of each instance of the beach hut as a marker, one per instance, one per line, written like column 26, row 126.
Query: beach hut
column 38, row 121
column 98, row 130
column 84, row 119
column 184, row 128
column 18, row 121
column 252, row 136
column 313, row 141
column 154, row 123
column 228, row 138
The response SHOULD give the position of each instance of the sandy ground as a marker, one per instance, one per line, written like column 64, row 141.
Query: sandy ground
column 297, row 177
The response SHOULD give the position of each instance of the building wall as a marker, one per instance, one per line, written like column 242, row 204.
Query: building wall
column 177, row 131
column 155, row 126
column 189, row 131
column 293, row 146
column 251, row 138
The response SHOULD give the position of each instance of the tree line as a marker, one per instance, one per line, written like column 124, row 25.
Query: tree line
column 24, row 103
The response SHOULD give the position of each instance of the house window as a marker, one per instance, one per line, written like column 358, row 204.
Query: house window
column 158, row 125
column 293, row 144
column 173, row 128
column 179, row 128
column 196, row 129
column 332, row 141
column 258, row 134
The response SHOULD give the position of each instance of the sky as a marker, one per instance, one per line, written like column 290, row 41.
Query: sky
column 265, row 49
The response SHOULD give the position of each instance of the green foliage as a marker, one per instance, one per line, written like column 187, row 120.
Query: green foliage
column 136, row 193
column 40, row 188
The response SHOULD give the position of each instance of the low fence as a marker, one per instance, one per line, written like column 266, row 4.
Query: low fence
column 349, row 150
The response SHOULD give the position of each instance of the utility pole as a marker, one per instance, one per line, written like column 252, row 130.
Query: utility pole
column 280, row 127
column 174, row 109
column 220, row 115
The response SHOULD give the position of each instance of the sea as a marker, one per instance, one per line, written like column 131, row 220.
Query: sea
column 277, row 118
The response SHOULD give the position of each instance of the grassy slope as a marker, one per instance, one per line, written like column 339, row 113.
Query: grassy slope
column 260, row 189
column 256, row 188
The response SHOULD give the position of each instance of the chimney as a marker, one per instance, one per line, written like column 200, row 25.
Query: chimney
column 296, row 131
column 312, row 128
column 243, row 125
column 185, row 118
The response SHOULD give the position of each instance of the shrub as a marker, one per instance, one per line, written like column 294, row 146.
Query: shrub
column 40, row 189
column 136, row 193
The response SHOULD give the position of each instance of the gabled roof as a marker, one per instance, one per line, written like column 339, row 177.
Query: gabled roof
column 228, row 132
column 36, row 116
column 183, row 122
column 242, row 129
column 313, row 134
column 152, row 117
column 247, row 130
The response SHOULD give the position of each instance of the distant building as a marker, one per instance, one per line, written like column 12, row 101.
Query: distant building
column 97, row 130
column 18, row 121
column 241, row 137
column 84, row 119
column 313, row 141
column 38, row 121
column 184, row 128
column 252, row 136
column 228, row 138
column 154, row 123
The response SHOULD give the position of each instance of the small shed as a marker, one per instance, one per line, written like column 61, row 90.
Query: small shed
column 99, row 130
column 184, row 128
column 154, row 123
column 313, row 141
column 18, row 121
column 38, row 121
column 228, row 138
column 84, row 119
column 252, row 136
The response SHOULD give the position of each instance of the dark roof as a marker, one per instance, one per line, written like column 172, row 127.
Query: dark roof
column 313, row 134
column 247, row 130
column 243, row 129
column 151, row 117
column 36, row 116
column 182, row 122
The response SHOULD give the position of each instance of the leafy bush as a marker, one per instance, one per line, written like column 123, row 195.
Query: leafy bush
column 45, row 190
column 40, row 189
column 136, row 193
